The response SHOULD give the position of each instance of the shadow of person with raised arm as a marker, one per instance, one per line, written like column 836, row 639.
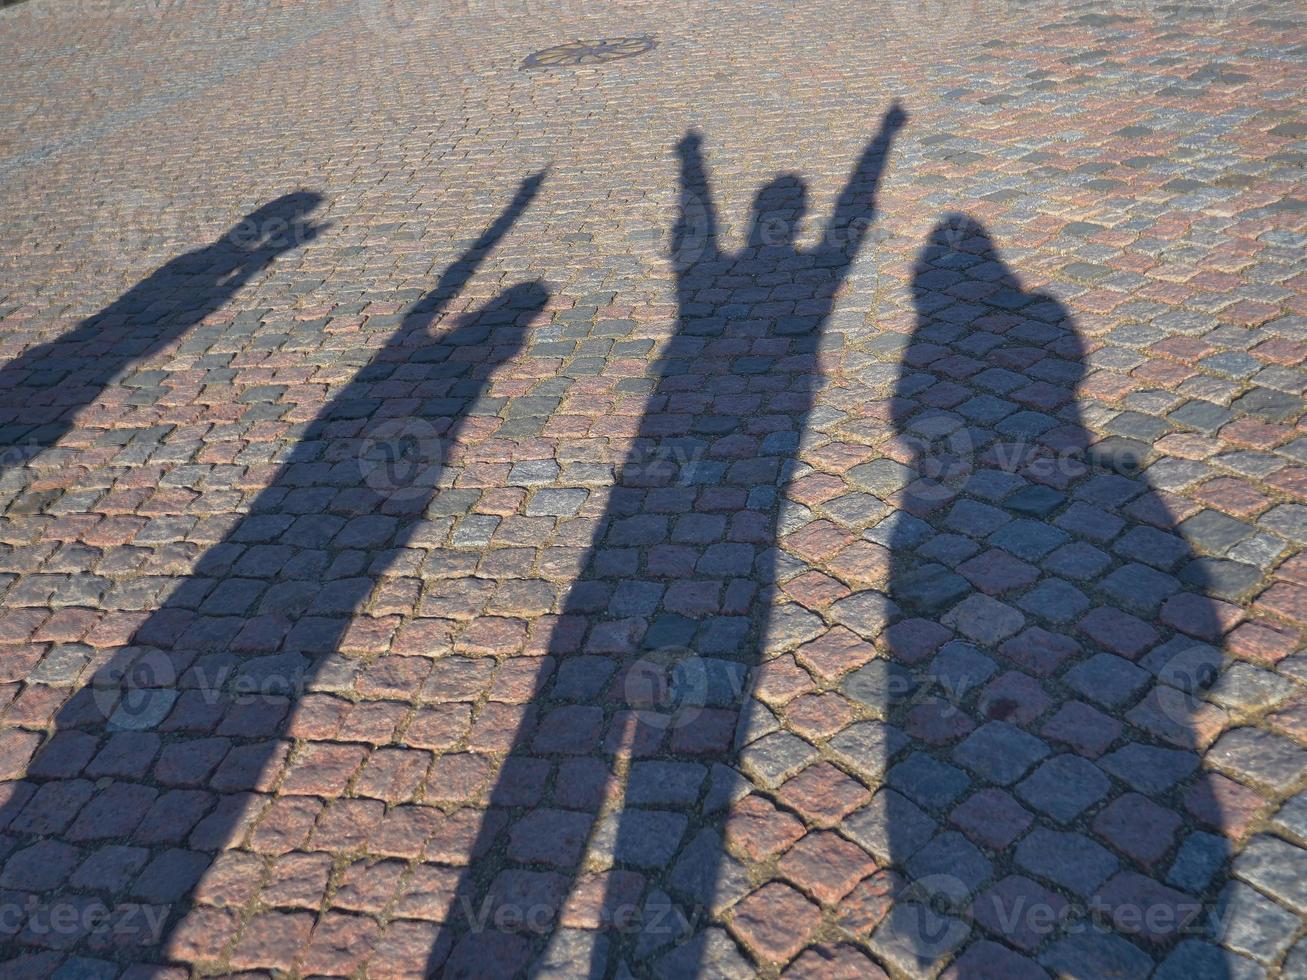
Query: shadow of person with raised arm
column 165, row 750
column 661, row 630
column 1044, row 694
column 43, row 389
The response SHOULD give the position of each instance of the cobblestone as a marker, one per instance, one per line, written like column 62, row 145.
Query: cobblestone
column 429, row 493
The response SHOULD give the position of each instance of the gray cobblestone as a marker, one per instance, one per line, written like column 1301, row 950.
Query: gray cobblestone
column 984, row 506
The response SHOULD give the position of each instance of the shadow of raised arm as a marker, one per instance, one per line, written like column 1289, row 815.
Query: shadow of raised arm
column 855, row 209
column 694, row 236
column 453, row 279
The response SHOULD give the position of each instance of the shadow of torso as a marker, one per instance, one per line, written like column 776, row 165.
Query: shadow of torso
column 635, row 732
column 1043, row 692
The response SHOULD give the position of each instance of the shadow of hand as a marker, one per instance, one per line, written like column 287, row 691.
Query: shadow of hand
column 689, row 143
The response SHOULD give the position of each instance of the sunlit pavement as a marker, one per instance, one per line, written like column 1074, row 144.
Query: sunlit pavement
column 812, row 489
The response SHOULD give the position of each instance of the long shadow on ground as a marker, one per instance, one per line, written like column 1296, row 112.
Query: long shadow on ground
column 661, row 630
column 1044, row 725
column 161, row 756
column 43, row 389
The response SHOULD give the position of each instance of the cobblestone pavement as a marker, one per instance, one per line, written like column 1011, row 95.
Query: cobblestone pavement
column 820, row 497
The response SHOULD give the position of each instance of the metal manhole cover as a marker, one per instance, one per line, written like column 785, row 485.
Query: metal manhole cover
column 589, row 52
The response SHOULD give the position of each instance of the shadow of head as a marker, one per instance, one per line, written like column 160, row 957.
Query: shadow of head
column 778, row 208
column 991, row 373
column 277, row 226
column 967, row 295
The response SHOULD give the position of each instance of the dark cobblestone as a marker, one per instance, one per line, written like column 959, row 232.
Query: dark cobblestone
column 823, row 595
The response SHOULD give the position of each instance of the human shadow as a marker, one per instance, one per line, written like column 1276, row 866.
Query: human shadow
column 43, row 389
column 1044, row 692
column 660, row 631
column 163, row 754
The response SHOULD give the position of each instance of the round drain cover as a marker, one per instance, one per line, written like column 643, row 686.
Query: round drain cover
column 589, row 52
